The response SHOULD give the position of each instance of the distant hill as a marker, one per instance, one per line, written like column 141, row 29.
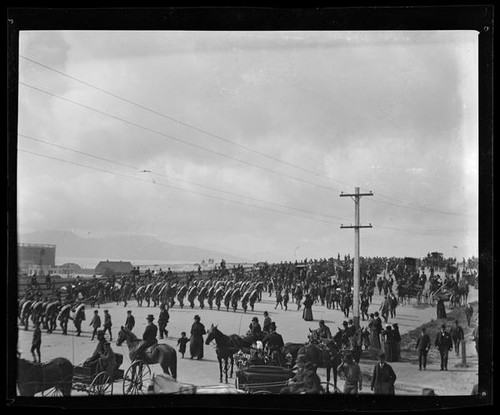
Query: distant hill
column 137, row 247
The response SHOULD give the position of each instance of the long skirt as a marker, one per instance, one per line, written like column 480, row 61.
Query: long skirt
column 307, row 314
column 389, row 351
column 374, row 340
column 196, row 347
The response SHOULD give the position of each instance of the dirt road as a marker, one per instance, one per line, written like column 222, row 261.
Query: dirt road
column 289, row 324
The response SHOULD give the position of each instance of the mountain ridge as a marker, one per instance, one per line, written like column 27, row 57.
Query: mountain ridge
column 138, row 247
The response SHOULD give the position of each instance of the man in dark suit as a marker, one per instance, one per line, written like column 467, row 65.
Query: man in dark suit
column 444, row 344
column 383, row 378
column 148, row 337
column 130, row 322
column 423, row 346
column 457, row 335
column 163, row 319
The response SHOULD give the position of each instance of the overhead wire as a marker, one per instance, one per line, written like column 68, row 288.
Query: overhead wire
column 135, row 168
column 407, row 205
column 175, row 187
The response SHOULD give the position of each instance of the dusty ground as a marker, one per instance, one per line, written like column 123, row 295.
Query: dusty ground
column 411, row 381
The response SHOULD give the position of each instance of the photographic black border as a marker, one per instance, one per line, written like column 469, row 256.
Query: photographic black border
column 466, row 17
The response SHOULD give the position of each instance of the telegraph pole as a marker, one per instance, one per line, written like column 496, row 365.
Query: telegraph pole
column 356, row 196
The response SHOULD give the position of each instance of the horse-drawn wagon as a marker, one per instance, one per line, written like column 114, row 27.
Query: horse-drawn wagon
column 96, row 381
column 262, row 379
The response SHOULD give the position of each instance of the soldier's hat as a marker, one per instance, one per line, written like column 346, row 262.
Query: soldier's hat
column 255, row 319
column 150, row 317
column 197, row 317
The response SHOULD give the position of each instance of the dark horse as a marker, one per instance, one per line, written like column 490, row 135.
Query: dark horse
column 225, row 349
column 163, row 354
column 33, row 378
column 324, row 353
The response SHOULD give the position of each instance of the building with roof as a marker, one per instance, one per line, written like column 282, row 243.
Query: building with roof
column 117, row 267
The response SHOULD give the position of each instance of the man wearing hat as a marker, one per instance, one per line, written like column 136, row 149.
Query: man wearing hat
column 267, row 322
column 306, row 381
column 324, row 331
column 353, row 375
column 383, row 377
column 163, row 319
column 423, row 345
column 273, row 341
column 457, row 335
column 196, row 342
column 444, row 345
column 255, row 329
column 148, row 337
column 130, row 321
column 99, row 350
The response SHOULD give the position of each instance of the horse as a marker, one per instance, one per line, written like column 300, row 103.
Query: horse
column 163, row 354
column 33, row 378
column 327, row 355
column 225, row 350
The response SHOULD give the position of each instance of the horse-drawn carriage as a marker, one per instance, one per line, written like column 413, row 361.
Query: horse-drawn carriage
column 262, row 379
column 96, row 381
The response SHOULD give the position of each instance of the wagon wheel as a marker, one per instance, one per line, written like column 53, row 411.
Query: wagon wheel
column 328, row 388
column 137, row 378
column 102, row 384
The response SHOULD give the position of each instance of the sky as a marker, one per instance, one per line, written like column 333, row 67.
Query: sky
column 242, row 142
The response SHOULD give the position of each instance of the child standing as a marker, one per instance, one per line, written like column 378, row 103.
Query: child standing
column 183, row 340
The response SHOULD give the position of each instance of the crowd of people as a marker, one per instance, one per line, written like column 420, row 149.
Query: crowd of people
column 325, row 282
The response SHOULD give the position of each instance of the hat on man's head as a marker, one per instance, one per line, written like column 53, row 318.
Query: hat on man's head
column 376, row 314
column 150, row 317
column 344, row 323
column 443, row 326
column 197, row 317
column 100, row 332
column 322, row 322
column 255, row 319
column 273, row 325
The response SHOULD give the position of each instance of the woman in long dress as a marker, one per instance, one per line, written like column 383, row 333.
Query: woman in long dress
column 307, row 314
column 196, row 342
column 374, row 334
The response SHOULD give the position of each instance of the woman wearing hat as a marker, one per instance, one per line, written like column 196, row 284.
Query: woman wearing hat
column 196, row 342
column 307, row 314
